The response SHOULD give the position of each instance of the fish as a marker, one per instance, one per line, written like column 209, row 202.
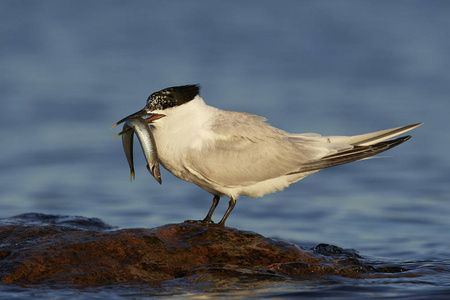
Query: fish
column 147, row 141
column 127, row 143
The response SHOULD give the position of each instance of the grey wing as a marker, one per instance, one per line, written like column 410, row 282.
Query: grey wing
column 247, row 150
column 363, row 146
column 357, row 153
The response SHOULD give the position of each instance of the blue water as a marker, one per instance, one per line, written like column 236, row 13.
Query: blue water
column 71, row 69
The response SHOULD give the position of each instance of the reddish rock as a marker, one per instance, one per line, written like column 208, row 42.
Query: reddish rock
column 43, row 249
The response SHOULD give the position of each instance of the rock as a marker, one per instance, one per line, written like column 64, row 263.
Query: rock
column 46, row 249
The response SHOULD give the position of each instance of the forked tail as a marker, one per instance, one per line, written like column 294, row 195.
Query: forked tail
column 364, row 146
column 357, row 153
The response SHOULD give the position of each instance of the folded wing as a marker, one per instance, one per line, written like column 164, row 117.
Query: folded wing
column 257, row 151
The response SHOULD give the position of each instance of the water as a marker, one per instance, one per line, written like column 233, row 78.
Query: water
column 71, row 69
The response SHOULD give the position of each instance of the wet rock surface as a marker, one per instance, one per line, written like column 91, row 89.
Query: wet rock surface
column 47, row 249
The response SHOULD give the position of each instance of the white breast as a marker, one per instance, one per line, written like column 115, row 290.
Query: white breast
column 184, row 127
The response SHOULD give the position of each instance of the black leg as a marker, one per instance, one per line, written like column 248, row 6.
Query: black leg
column 231, row 205
column 208, row 217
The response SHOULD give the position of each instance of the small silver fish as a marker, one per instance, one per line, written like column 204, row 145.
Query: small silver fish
column 127, row 143
column 145, row 136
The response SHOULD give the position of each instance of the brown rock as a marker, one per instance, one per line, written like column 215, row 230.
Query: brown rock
column 43, row 249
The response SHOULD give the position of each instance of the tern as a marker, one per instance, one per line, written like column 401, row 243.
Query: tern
column 229, row 153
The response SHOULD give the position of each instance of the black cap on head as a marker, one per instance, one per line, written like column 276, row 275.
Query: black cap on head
column 173, row 96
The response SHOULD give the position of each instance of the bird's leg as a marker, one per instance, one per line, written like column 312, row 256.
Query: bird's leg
column 208, row 217
column 231, row 205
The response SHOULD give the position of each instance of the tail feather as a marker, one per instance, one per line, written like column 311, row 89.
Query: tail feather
column 373, row 137
column 357, row 153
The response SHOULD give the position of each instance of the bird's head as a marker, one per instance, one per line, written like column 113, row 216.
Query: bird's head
column 159, row 102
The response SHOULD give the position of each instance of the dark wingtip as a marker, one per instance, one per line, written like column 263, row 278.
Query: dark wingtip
column 357, row 153
column 397, row 141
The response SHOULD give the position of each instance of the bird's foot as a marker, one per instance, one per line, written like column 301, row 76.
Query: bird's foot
column 196, row 221
column 204, row 222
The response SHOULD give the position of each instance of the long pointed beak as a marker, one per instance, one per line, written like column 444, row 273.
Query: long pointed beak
column 140, row 114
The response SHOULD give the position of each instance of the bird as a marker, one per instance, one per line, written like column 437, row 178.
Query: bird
column 233, row 154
